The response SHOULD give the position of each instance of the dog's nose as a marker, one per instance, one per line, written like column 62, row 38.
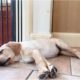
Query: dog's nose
column 3, row 63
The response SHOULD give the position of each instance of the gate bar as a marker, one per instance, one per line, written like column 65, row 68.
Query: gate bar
column 7, row 20
column 2, row 20
column 21, row 20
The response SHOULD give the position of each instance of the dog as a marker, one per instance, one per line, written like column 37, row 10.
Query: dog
column 37, row 51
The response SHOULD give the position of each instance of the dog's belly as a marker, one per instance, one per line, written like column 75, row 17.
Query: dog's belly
column 46, row 47
column 49, row 51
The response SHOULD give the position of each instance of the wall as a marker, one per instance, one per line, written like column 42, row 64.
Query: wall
column 41, row 16
column 36, row 18
column 66, row 16
column 27, row 19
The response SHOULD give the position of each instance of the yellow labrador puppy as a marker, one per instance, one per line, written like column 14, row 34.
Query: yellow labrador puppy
column 38, row 51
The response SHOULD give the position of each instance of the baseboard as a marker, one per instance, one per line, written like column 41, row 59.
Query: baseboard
column 39, row 36
column 73, row 39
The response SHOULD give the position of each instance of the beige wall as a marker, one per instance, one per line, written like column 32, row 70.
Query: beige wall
column 66, row 16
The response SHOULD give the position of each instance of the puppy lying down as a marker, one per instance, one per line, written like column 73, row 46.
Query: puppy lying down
column 38, row 51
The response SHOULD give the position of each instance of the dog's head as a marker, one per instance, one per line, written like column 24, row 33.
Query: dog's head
column 8, row 52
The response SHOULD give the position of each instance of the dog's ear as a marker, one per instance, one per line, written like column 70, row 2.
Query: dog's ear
column 15, row 46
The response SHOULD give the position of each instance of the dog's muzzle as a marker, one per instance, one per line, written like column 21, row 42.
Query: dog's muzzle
column 4, row 62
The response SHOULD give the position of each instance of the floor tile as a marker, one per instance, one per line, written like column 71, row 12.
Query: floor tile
column 31, row 66
column 67, row 77
column 59, row 77
column 62, row 63
column 20, row 66
column 21, row 71
column 14, row 74
column 75, row 64
column 34, row 76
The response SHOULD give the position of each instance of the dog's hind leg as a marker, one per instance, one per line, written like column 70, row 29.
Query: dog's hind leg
column 41, row 65
column 67, row 50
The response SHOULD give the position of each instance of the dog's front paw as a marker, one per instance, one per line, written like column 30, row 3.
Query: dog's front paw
column 53, row 72
column 44, row 75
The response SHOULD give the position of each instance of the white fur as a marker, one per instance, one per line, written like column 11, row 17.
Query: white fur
column 47, row 48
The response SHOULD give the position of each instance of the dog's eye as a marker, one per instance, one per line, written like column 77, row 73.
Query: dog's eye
column 1, row 52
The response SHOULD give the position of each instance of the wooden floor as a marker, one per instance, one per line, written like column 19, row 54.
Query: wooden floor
column 68, row 69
